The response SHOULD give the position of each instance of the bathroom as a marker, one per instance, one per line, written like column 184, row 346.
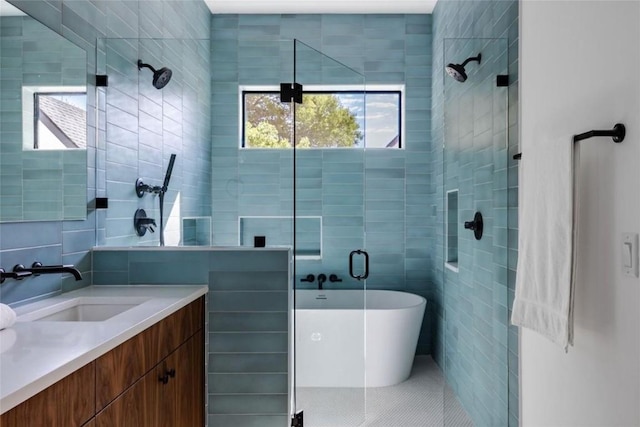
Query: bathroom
column 500, row 377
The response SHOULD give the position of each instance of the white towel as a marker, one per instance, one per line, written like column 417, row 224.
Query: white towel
column 7, row 316
column 547, row 220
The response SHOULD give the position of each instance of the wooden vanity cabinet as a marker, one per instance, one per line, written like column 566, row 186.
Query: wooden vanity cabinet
column 69, row 402
column 171, row 394
column 154, row 379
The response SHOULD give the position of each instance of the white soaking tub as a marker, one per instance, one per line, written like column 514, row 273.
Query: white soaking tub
column 331, row 340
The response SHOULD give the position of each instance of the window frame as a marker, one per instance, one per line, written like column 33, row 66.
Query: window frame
column 398, row 89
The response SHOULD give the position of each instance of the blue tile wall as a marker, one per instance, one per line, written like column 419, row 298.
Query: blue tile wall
column 392, row 204
column 88, row 23
column 247, row 317
column 475, row 345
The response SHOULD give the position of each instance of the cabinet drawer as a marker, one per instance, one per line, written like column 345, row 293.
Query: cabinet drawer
column 75, row 393
column 120, row 368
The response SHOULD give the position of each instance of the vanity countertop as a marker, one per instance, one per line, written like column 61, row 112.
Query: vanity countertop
column 37, row 354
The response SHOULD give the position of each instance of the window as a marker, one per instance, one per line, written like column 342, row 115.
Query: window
column 326, row 119
column 54, row 118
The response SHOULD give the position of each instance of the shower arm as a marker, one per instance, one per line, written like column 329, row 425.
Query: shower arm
column 475, row 58
column 142, row 65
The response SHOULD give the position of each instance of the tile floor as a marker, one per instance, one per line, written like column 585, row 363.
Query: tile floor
column 424, row 400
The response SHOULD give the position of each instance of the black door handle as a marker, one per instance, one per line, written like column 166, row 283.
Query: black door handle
column 366, row 264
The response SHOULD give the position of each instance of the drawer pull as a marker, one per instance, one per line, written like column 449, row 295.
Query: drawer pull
column 164, row 379
column 171, row 373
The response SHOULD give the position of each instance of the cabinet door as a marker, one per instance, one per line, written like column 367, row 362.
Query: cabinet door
column 181, row 400
column 166, row 402
column 189, row 382
column 136, row 407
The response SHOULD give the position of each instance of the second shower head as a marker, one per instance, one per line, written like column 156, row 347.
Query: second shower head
column 160, row 77
column 458, row 72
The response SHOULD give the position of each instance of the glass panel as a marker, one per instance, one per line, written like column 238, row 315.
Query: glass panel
column 475, row 294
column 156, row 105
column 329, row 183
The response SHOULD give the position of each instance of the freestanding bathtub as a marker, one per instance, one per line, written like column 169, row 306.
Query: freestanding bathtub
column 339, row 343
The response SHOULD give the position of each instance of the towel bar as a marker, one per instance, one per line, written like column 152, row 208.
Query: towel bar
column 617, row 134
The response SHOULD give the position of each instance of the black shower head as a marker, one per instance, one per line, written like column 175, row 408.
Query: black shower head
column 458, row 72
column 160, row 77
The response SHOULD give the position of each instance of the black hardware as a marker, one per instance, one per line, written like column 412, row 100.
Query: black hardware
column 17, row 275
column 142, row 188
column 310, row 278
column 617, row 133
column 502, row 80
column 141, row 223
column 321, row 279
column 259, row 241
column 298, row 419
column 102, row 203
column 102, row 80
column 366, row 264
column 165, row 186
column 164, row 379
column 37, row 269
column 476, row 225
column 172, row 373
column 291, row 91
column 160, row 77
column 334, row 278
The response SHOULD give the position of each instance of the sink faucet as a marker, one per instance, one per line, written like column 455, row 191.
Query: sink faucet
column 37, row 268
column 321, row 279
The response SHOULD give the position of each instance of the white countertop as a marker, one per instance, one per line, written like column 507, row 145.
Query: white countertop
column 35, row 355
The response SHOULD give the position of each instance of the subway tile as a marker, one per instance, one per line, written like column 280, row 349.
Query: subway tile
column 248, row 363
column 248, row 383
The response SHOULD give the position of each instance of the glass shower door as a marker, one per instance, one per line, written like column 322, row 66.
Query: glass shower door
column 330, row 261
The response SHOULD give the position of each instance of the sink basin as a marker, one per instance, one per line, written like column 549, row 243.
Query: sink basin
column 82, row 309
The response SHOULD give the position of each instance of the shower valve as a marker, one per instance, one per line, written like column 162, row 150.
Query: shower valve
column 476, row 225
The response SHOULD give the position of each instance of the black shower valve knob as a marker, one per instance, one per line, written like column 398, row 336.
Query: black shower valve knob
column 476, row 225
column 308, row 278
column 334, row 278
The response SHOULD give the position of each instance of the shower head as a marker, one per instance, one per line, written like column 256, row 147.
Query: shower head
column 458, row 72
column 160, row 77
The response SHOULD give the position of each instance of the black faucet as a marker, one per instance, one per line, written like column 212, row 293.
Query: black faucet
column 37, row 268
column 321, row 279
column 4, row 275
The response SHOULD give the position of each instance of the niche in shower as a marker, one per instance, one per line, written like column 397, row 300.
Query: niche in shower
column 278, row 231
column 451, row 261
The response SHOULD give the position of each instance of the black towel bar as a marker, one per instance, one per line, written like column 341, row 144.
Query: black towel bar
column 617, row 134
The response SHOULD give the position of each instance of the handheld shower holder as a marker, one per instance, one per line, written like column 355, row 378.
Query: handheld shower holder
column 142, row 188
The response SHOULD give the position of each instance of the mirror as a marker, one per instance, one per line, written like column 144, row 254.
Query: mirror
column 43, row 122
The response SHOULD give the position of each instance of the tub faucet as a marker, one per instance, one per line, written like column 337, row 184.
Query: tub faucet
column 321, row 279
column 37, row 268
